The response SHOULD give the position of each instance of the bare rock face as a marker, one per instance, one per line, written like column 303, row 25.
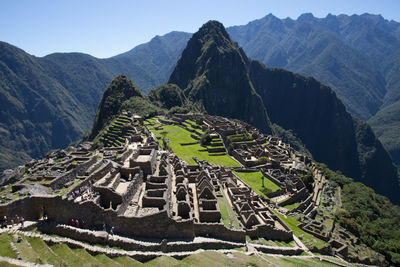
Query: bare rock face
column 10, row 176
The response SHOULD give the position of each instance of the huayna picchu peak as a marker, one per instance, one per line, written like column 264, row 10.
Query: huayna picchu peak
column 213, row 74
column 226, row 162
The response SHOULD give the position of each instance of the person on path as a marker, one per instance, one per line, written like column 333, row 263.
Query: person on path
column 21, row 220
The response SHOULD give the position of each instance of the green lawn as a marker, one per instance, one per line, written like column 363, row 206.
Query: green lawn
column 65, row 253
column 307, row 238
column 26, row 251
column 292, row 206
column 104, row 260
column 228, row 215
column 45, row 253
column 126, row 261
column 5, row 246
column 253, row 179
column 177, row 135
column 274, row 243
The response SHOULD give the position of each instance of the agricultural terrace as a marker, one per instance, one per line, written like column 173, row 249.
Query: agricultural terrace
column 185, row 146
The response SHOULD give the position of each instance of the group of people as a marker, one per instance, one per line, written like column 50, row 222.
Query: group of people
column 77, row 223
column 86, row 192
column 12, row 220
column 111, row 229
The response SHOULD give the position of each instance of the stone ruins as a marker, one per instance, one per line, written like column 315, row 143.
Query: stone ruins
column 145, row 192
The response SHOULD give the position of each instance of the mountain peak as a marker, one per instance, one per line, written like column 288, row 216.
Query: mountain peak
column 213, row 30
column 212, row 72
column 306, row 17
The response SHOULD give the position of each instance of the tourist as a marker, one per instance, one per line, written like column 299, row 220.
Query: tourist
column 82, row 224
column 112, row 230
column 76, row 223
column 104, row 227
column 19, row 240
column 72, row 222
column 21, row 220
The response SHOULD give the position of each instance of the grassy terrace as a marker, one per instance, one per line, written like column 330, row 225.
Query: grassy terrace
column 227, row 213
column 253, row 179
column 35, row 250
column 308, row 240
column 274, row 243
column 177, row 136
column 292, row 206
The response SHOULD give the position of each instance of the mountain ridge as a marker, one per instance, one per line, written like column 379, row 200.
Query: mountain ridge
column 308, row 108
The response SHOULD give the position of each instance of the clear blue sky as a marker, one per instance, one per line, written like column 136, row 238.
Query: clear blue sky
column 104, row 28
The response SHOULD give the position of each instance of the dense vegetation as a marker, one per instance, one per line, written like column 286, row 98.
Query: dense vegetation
column 49, row 102
column 368, row 215
column 117, row 92
column 168, row 96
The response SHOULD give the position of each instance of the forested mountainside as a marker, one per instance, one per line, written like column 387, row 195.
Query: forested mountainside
column 357, row 56
column 50, row 101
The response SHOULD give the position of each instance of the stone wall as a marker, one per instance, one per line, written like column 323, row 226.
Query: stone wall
column 81, row 168
column 108, row 197
column 296, row 197
column 303, row 205
column 217, row 230
column 94, row 177
column 131, row 190
column 278, row 250
column 125, row 155
column 63, row 179
column 270, row 232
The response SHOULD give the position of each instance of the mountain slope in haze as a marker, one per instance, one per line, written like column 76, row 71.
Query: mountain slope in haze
column 153, row 61
column 50, row 101
column 212, row 72
column 37, row 112
column 215, row 72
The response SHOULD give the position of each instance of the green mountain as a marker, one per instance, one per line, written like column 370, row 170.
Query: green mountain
column 117, row 92
column 49, row 102
column 214, row 72
column 38, row 113
column 357, row 56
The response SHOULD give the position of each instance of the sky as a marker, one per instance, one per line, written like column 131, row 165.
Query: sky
column 104, row 28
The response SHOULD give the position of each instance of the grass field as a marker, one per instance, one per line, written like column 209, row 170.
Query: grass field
column 177, row 135
column 5, row 246
column 292, row 206
column 228, row 215
column 253, row 179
